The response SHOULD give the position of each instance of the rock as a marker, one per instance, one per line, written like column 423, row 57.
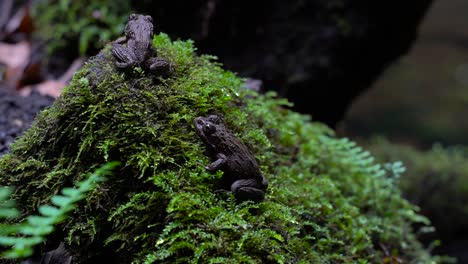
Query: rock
column 327, row 201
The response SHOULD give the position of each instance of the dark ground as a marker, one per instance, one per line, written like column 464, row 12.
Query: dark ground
column 17, row 114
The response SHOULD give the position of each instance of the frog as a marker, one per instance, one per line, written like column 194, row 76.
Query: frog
column 139, row 49
column 241, row 173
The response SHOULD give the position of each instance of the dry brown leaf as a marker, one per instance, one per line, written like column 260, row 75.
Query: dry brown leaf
column 16, row 58
column 54, row 87
column 49, row 87
column 15, row 55
column 20, row 22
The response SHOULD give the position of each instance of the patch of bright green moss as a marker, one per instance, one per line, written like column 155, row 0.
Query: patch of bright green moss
column 327, row 201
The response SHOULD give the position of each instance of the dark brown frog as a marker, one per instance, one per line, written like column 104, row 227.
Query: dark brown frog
column 139, row 50
column 242, row 175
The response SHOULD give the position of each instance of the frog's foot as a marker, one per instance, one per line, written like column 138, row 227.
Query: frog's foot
column 223, row 193
column 125, row 58
column 159, row 66
column 245, row 190
column 123, row 65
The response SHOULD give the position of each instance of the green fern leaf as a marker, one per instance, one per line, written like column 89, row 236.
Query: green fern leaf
column 37, row 227
column 48, row 210
column 75, row 194
column 35, row 220
column 36, row 230
column 60, row 200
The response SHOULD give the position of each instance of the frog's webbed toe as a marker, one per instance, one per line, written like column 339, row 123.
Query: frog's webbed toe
column 245, row 190
column 123, row 65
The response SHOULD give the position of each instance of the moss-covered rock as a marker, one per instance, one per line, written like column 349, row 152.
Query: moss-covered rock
column 327, row 201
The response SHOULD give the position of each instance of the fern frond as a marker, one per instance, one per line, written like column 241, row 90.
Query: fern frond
column 7, row 206
column 24, row 236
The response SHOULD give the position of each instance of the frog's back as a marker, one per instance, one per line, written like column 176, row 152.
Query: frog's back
column 242, row 163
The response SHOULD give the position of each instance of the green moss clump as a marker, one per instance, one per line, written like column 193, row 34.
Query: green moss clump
column 327, row 201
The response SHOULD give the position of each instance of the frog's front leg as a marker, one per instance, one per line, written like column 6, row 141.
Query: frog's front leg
column 246, row 190
column 121, row 40
column 125, row 56
column 220, row 160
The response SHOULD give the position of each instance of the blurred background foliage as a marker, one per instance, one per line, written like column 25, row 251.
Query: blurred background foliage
column 435, row 180
column 423, row 98
column 87, row 24
column 420, row 105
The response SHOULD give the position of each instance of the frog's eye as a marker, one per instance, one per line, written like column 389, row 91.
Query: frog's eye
column 132, row 17
column 149, row 19
column 209, row 128
column 215, row 119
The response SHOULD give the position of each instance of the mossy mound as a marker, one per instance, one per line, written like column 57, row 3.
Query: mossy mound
column 327, row 201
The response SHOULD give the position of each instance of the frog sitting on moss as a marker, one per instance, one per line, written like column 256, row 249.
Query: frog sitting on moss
column 242, row 175
column 139, row 50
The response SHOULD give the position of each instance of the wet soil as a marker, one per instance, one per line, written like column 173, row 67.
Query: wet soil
column 17, row 114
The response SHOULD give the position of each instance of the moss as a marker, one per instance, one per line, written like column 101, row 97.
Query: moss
column 328, row 202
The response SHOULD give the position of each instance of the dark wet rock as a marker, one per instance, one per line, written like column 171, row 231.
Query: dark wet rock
column 320, row 54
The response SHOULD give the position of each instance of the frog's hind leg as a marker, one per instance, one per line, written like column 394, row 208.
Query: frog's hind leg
column 244, row 190
column 123, row 56
column 158, row 65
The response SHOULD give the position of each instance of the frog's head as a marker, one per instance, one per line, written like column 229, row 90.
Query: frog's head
column 141, row 18
column 207, row 128
column 139, row 24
